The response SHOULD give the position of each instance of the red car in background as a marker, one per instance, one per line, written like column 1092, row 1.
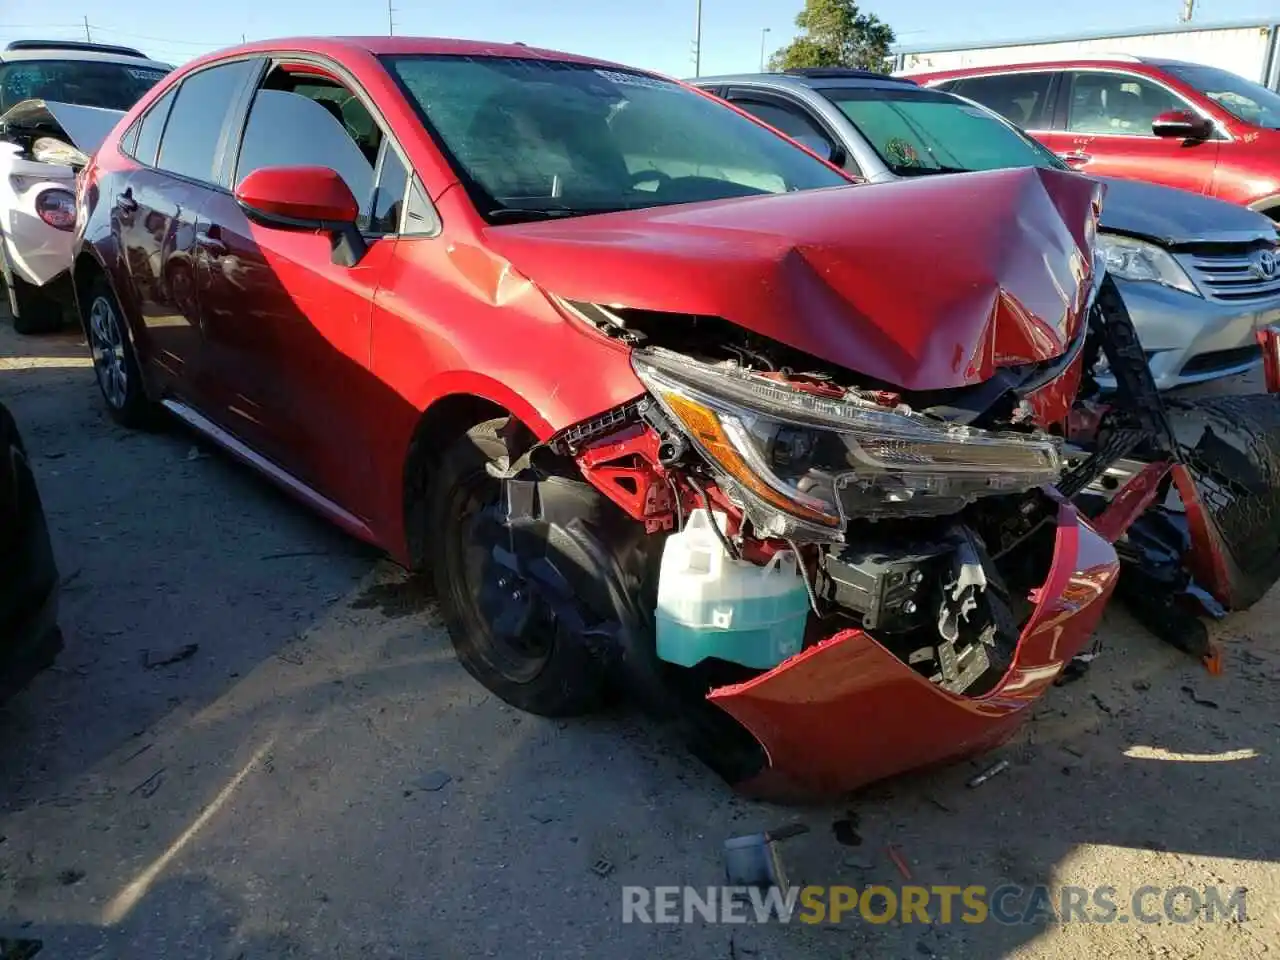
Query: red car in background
column 514, row 315
column 1184, row 125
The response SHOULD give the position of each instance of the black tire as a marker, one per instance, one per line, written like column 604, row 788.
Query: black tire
column 38, row 311
column 564, row 678
column 115, row 365
column 1232, row 448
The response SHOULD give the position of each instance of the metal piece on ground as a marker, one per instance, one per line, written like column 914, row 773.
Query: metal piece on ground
column 992, row 771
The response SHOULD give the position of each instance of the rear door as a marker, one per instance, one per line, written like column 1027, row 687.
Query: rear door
column 288, row 329
column 1106, row 116
column 793, row 119
column 157, row 212
column 1025, row 98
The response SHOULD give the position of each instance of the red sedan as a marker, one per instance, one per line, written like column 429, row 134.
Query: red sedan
column 515, row 316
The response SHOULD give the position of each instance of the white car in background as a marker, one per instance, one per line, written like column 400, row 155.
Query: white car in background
column 58, row 101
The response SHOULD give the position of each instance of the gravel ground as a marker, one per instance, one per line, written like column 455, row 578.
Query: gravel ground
column 320, row 779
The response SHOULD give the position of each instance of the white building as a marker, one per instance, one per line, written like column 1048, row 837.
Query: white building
column 1248, row 49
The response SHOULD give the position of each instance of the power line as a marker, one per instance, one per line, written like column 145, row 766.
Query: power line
column 164, row 40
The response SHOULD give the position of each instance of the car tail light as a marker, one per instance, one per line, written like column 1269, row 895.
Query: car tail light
column 57, row 208
column 1269, row 341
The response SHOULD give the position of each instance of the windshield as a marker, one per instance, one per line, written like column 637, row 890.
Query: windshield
column 1243, row 99
column 544, row 138
column 87, row 83
column 918, row 131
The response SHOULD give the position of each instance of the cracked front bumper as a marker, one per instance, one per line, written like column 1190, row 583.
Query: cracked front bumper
column 846, row 712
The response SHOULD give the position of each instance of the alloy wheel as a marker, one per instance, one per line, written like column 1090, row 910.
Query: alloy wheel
column 106, row 344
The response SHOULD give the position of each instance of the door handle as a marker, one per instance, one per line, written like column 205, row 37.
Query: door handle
column 1075, row 158
column 208, row 241
column 125, row 201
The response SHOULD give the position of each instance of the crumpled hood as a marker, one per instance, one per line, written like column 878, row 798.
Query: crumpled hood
column 924, row 284
column 83, row 127
column 1173, row 217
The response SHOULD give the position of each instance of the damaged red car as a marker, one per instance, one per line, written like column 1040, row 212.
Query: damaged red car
column 668, row 407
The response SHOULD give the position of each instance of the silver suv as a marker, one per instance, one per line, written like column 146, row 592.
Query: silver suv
column 1198, row 275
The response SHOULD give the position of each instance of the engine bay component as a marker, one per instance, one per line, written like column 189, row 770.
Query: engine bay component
column 806, row 456
column 713, row 605
column 891, row 584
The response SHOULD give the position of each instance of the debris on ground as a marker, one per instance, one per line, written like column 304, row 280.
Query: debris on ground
column 195, row 453
column 939, row 804
column 992, row 771
column 1076, row 668
column 70, row 877
column 185, row 652
column 1141, row 685
column 753, row 861
column 899, row 861
column 602, row 867
column 433, row 781
column 149, row 786
column 1198, row 700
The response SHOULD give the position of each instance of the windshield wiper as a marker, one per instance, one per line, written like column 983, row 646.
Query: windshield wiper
column 548, row 213
column 906, row 171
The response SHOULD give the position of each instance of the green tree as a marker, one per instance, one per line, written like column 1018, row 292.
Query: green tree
column 835, row 33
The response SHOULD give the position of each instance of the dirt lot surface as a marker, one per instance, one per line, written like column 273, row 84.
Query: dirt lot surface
column 315, row 776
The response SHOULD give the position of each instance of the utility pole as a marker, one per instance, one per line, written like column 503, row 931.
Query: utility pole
column 87, row 37
column 391, row 24
column 764, row 32
column 697, row 42
column 1188, row 8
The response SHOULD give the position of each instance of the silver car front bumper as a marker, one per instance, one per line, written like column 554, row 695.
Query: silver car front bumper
column 1191, row 339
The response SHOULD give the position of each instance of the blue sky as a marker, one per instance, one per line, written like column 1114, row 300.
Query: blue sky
column 656, row 34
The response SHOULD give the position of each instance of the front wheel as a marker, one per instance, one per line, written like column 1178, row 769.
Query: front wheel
column 114, row 363
column 510, row 632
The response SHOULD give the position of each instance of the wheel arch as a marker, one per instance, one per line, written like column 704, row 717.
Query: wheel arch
column 440, row 425
column 84, row 270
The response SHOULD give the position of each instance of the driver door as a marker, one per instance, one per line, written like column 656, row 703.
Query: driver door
column 1106, row 132
column 289, row 329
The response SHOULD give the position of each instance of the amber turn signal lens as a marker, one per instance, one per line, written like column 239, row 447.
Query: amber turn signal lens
column 704, row 426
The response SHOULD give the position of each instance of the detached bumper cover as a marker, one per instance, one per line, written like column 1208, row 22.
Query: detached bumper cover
column 847, row 712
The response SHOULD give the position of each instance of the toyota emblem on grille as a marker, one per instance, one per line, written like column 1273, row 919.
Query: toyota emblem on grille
column 1264, row 265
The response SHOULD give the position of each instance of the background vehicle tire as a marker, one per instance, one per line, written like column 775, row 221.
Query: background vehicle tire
column 546, row 669
column 1232, row 449
column 38, row 312
column 114, row 364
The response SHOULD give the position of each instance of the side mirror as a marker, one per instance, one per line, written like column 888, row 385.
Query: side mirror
column 1181, row 125
column 305, row 198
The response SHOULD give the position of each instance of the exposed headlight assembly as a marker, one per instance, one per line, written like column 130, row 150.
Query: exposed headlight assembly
column 803, row 462
column 1131, row 259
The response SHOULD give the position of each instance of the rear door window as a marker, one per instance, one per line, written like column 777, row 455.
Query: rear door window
column 1021, row 98
column 190, row 146
column 149, row 130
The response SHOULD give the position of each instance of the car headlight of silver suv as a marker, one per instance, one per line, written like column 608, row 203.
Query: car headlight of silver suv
column 804, row 461
column 1130, row 259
